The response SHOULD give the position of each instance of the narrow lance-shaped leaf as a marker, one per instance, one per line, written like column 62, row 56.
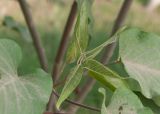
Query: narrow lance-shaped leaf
column 79, row 43
column 140, row 54
column 74, row 79
column 123, row 101
column 20, row 94
column 77, row 48
column 104, row 75
column 94, row 52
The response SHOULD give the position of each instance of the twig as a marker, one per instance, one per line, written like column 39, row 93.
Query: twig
column 60, row 83
column 64, row 42
column 118, row 23
column 35, row 36
column 74, row 103
column 60, row 54
column 90, row 83
column 78, row 104
column 81, row 96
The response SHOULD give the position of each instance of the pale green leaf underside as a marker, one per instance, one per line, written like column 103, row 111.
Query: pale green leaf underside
column 140, row 54
column 123, row 101
column 20, row 94
column 73, row 80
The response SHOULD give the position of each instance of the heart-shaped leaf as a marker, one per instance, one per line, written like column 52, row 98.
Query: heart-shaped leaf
column 139, row 52
column 20, row 94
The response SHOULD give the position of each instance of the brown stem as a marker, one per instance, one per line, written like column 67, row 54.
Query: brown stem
column 60, row 54
column 78, row 104
column 90, row 83
column 35, row 36
column 64, row 42
column 118, row 23
column 81, row 96
column 73, row 103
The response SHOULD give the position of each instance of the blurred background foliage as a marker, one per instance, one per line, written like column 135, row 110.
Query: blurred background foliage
column 50, row 17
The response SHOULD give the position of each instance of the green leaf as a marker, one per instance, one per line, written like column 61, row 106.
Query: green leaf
column 123, row 101
column 149, row 103
column 79, row 43
column 12, row 24
column 139, row 52
column 145, row 111
column 94, row 52
column 80, row 2
column 74, row 79
column 103, row 92
column 103, row 74
column 20, row 94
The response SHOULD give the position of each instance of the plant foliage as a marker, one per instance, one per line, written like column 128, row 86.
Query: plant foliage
column 139, row 54
column 20, row 94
